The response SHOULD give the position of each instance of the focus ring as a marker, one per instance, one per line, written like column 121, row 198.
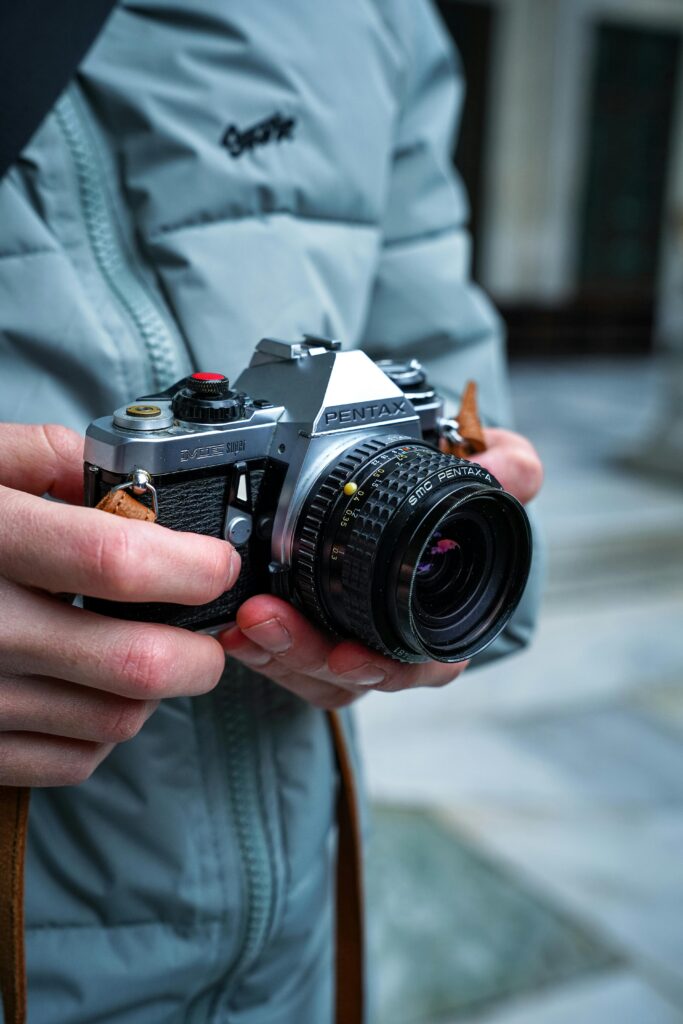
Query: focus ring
column 331, row 547
column 357, row 571
column 309, row 533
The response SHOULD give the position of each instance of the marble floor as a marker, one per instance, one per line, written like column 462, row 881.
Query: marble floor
column 555, row 779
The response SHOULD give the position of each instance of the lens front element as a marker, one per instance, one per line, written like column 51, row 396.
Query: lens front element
column 445, row 568
column 425, row 557
column 452, row 567
column 455, row 591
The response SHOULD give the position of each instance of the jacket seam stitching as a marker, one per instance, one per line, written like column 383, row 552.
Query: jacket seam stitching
column 215, row 842
column 172, row 229
column 31, row 252
column 271, row 841
column 424, row 236
column 205, row 924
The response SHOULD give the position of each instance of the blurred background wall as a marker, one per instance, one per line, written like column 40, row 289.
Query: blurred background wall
column 526, row 864
column 572, row 152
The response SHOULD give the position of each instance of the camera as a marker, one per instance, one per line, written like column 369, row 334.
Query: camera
column 323, row 469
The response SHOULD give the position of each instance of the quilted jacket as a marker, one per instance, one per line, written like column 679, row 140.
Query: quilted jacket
column 215, row 173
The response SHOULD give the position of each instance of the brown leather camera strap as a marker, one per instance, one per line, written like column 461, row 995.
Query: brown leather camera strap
column 13, row 821
column 350, row 955
column 469, row 427
column 349, row 998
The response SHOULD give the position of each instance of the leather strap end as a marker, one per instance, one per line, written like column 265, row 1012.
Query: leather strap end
column 350, row 987
column 120, row 503
column 469, row 427
column 14, row 803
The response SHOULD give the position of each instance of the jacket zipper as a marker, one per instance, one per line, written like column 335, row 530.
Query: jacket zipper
column 113, row 260
column 241, row 743
column 236, row 698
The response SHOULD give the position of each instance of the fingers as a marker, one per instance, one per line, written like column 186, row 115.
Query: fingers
column 350, row 661
column 31, row 759
column 35, row 704
column 42, row 459
column 277, row 627
column 85, row 551
column 324, row 695
column 275, row 639
column 144, row 661
column 513, row 461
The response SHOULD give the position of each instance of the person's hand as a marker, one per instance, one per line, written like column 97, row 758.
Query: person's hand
column 514, row 462
column 275, row 639
column 72, row 683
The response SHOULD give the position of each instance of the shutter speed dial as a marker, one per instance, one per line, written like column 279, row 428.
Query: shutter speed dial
column 208, row 398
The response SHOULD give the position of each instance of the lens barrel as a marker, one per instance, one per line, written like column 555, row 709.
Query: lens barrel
column 418, row 554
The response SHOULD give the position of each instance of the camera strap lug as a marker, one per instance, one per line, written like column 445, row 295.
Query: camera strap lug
column 464, row 435
column 139, row 482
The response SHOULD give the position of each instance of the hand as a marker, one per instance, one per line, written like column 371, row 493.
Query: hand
column 72, row 683
column 274, row 638
column 513, row 461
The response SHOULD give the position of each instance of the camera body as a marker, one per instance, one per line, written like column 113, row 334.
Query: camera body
column 303, row 466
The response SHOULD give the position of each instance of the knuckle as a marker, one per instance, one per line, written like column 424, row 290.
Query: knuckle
column 77, row 769
column 108, row 556
column 59, row 439
column 123, row 721
column 145, row 663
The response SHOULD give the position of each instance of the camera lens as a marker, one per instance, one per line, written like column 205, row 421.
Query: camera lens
column 415, row 553
column 458, row 583
column 444, row 575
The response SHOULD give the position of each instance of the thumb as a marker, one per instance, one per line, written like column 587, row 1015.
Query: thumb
column 42, row 459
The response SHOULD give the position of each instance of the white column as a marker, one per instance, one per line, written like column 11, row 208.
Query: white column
column 534, row 149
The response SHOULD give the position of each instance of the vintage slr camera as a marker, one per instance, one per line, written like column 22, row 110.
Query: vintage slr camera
column 322, row 467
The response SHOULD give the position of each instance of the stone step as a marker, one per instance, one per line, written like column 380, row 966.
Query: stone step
column 624, row 559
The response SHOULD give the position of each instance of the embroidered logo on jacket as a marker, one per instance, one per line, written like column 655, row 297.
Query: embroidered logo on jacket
column 272, row 129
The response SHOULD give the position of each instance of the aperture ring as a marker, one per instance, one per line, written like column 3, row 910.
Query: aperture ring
column 309, row 532
column 356, row 578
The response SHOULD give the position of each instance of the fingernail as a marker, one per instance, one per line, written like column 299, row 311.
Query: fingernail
column 229, row 633
column 271, row 635
column 255, row 658
column 364, row 675
column 234, row 568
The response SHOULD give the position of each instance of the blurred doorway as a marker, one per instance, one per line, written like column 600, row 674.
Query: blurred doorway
column 629, row 139
column 567, row 147
column 471, row 23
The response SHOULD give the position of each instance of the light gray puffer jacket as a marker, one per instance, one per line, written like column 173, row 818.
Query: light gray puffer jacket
column 189, row 881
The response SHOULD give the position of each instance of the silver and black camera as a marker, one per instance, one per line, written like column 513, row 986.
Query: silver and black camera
column 323, row 469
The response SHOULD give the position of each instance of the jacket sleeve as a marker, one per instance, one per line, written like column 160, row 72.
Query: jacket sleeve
column 424, row 303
